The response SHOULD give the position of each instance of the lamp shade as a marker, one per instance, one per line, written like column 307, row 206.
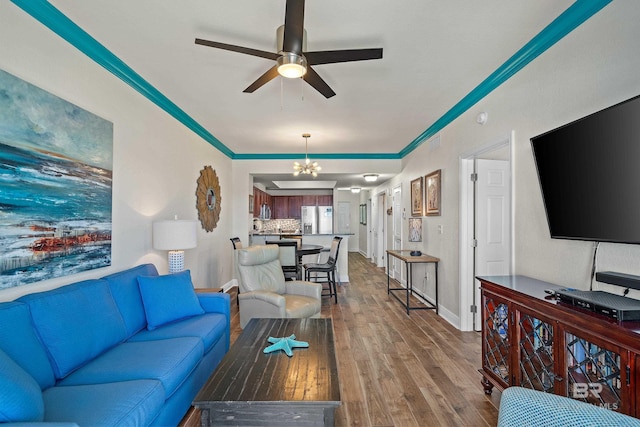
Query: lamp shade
column 174, row 234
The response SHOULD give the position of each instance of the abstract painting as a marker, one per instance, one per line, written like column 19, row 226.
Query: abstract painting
column 56, row 164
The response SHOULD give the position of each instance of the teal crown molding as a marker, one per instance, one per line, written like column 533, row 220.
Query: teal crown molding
column 318, row 156
column 56, row 21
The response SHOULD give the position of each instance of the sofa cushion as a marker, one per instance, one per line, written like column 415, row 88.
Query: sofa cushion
column 18, row 339
column 125, row 291
column 168, row 298
column 131, row 403
column 20, row 394
column 168, row 361
column 209, row 328
column 76, row 323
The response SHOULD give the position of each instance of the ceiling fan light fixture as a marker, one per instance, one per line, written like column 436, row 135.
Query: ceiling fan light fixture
column 291, row 65
column 372, row 177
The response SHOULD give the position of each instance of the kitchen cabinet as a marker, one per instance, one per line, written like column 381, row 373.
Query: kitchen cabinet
column 531, row 340
column 284, row 207
column 311, row 200
column 287, row 206
column 260, row 197
column 324, row 200
column 280, row 209
column 295, row 205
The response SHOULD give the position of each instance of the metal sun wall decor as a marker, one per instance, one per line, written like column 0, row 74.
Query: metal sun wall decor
column 56, row 164
column 208, row 198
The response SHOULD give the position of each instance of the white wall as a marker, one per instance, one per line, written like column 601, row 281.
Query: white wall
column 156, row 160
column 592, row 68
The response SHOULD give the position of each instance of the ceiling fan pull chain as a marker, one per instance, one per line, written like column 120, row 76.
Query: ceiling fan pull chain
column 281, row 95
column 302, row 88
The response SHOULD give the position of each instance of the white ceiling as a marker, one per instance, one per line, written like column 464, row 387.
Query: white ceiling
column 435, row 53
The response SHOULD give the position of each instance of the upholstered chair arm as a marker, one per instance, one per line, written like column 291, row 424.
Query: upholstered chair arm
column 301, row 287
column 261, row 304
column 265, row 296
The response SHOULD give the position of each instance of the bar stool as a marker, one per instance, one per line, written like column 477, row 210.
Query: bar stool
column 329, row 269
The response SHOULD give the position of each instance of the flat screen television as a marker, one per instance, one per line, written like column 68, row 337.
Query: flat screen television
column 589, row 173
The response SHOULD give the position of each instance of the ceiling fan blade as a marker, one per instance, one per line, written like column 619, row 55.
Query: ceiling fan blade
column 239, row 49
column 293, row 26
column 348, row 55
column 265, row 78
column 317, row 83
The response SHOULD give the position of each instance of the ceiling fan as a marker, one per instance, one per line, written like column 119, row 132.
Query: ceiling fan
column 293, row 60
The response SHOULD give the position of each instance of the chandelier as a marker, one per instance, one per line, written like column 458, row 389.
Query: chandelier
column 307, row 168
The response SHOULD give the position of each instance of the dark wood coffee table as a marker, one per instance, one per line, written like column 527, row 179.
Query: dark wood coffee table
column 250, row 388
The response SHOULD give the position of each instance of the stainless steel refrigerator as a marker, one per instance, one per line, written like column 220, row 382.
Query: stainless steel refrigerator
column 317, row 219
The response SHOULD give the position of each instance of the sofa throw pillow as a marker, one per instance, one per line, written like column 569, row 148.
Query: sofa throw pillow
column 20, row 395
column 168, row 298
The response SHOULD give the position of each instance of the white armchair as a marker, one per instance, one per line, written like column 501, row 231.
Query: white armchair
column 264, row 292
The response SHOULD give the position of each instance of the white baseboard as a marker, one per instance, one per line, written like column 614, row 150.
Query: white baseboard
column 230, row 284
column 442, row 311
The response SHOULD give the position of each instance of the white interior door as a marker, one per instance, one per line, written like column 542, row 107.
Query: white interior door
column 343, row 225
column 396, row 203
column 493, row 223
column 380, row 240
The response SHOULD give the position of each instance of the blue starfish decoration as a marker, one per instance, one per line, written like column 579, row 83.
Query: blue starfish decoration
column 286, row 344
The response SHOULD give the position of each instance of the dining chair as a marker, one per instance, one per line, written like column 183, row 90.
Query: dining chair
column 237, row 244
column 288, row 258
column 292, row 238
column 328, row 269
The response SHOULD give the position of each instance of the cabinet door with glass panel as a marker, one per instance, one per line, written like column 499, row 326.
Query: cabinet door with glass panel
column 496, row 343
column 536, row 359
column 596, row 372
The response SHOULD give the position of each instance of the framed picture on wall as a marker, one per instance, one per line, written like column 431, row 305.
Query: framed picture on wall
column 250, row 203
column 416, row 197
column 363, row 214
column 415, row 229
column 432, row 193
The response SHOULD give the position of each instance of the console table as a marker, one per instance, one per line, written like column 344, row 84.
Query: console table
column 406, row 257
column 531, row 340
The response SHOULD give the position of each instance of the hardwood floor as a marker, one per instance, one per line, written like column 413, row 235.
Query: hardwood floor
column 399, row 370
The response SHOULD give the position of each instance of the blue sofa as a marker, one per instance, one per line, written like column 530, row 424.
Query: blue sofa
column 129, row 349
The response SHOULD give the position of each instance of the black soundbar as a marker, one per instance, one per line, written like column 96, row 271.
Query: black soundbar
column 620, row 279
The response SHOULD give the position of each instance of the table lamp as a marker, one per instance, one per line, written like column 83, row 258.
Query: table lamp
column 175, row 236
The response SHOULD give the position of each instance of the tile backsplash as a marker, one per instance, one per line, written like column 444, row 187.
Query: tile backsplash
column 280, row 225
